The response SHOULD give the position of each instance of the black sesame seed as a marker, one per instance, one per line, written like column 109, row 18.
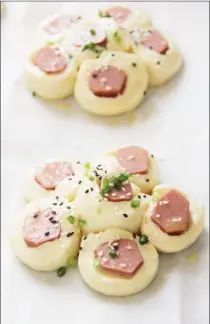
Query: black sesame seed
column 145, row 196
column 51, row 218
column 70, row 56
column 86, row 191
column 151, row 47
column 61, row 272
column 105, row 171
column 99, row 165
column 134, row 64
column 68, row 207
column 125, row 215
column 145, row 92
column 91, row 189
column 57, row 197
column 143, row 239
column 139, row 196
column 46, row 233
column 85, row 237
column 53, row 212
column 134, row 235
column 80, row 248
column 61, row 203
column 78, row 162
column 94, row 75
column 158, row 62
column 70, row 234
column 35, row 215
column 100, row 178
column 54, row 221
column 113, row 55
column 152, row 155
column 80, row 182
column 147, row 180
column 79, row 17
column 54, row 204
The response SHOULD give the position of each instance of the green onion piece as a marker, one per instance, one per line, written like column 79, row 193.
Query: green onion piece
column 117, row 37
column 71, row 219
column 87, row 165
column 34, row 94
column 103, row 14
column 49, row 43
column 135, row 203
column 91, row 178
column 93, row 32
column 99, row 210
column 61, row 272
column 112, row 254
column 89, row 46
column 72, row 262
column 82, row 222
column 115, row 181
column 143, row 239
column 96, row 262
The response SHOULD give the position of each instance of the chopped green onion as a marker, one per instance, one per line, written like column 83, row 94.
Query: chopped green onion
column 71, row 219
column 91, row 178
column 34, row 94
column 117, row 37
column 87, row 165
column 93, row 32
column 49, row 43
column 96, row 262
column 135, row 203
column 72, row 262
column 82, row 222
column 89, row 46
column 112, row 254
column 114, row 182
column 99, row 210
column 143, row 239
column 61, row 272
column 103, row 14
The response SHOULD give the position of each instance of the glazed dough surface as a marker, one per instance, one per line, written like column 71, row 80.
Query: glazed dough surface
column 137, row 81
column 100, row 215
column 51, row 255
column 110, row 164
column 51, row 86
column 32, row 190
column 168, row 243
column 170, row 63
column 115, row 285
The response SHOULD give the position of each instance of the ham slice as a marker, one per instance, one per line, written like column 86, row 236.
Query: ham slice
column 133, row 159
column 49, row 60
column 172, row 213
column 128, row 257
column 120, row 14
column 155, row 41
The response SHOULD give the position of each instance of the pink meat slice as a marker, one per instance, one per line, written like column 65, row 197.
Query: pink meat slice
column 127, row 261
column 172, row 213
column 155, row 41
column 50, row 60
column 52, row 173
column 107, row 82
column 41, row 227
column 119, row 13
column 59, row 24
column 124, row 194
column 93, row 34
column 133, row 159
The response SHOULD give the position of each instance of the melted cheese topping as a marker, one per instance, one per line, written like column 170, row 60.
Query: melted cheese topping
column 133, row 95
column 112, row 284
column 168, row 243
column 51, row 255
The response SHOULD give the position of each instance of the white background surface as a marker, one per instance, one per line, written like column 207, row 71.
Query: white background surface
column 172, row 123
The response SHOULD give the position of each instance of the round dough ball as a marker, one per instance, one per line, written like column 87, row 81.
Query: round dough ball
column 110, row 164
column 101, row 214
column 160, row 67
column 33, row 190
column 55, row 28
column 51, row 255
column 134, row 91
column 51, row 85
column 171, row 243
column 116, row 285
column 135, row 19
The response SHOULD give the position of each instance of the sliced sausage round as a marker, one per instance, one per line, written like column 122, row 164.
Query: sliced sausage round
column 50, row 60
column 60, row 23
column 93, row 34
column 125, row 260
column 41, row 227
column 125, row 193
column 120, row 14
column 133, row 159
column 172, row 213
column 107, row 82
column 154, row 41
column 51, row 174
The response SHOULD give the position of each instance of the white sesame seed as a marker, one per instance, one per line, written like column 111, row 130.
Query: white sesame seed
column 113, row 194
column 122, row 265
column 131, row 157
column 103, row 80
column 157, row 215
column 105, row 259
column 115, row 244
column 100, row 253
column 108, row 88
column 129, row 194
column 123, row 189
column 165, row 202
column 122, row 197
